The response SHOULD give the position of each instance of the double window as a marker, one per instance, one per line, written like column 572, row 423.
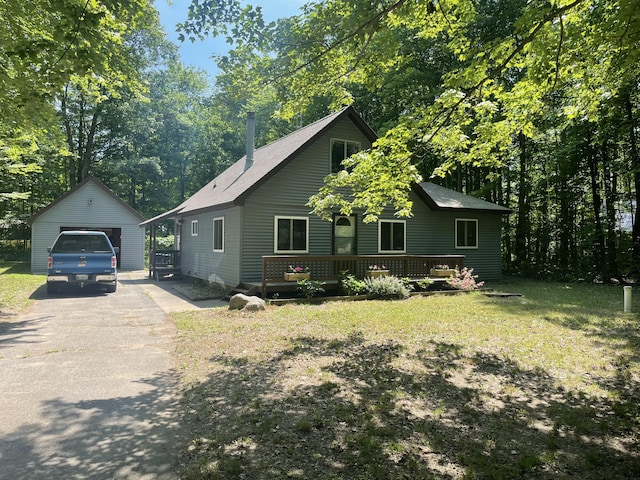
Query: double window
column 341, row 149
column 392, row 236
column 218, row 234
column 466, row 233
column 194, row 228
column 291, row 235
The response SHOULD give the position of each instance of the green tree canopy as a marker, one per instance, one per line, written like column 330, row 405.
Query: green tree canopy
column 504, row 58
column 44, row 43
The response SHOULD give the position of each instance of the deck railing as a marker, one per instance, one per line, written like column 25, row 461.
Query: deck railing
column 163, row 262
column 329, row 267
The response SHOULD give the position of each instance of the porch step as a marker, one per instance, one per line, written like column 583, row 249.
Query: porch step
column 248, row 290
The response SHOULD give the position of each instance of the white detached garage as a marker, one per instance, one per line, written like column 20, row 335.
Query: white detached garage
column 90, row 205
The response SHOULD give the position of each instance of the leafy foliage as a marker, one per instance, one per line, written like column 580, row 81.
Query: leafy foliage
column 498, row 65
column 387, row 287
column 310, row 288
column 45, row 44
column 350, row 285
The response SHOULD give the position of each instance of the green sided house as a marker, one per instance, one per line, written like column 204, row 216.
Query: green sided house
column 249, row 224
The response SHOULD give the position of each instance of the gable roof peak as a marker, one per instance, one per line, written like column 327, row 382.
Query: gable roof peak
column 88, row 179
column 233, row 184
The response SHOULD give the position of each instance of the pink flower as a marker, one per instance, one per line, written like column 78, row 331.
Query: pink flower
column 464, row 280
column 298, row 269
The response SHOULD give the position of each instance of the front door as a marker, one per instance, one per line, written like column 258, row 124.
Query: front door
column 344, row 235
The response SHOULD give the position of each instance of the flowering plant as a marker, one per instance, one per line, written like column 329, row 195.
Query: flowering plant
column 377, row 267
column 464, row 280
column 442, row 267
column 298, row 269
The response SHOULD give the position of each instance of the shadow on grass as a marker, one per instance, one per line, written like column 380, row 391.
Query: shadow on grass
column 378, row 411
column 597, row 312
column 15, row 268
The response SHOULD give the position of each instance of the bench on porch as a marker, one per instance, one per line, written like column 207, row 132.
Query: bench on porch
column 327, row 268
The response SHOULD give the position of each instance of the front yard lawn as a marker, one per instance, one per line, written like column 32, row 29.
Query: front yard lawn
column 16, row 286
column 544, row 386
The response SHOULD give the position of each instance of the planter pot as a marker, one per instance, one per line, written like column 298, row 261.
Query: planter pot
column 442, row 272
column 376, row 273
column 294, row 277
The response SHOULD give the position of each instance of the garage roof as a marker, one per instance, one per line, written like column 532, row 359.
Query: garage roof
column 77, row 187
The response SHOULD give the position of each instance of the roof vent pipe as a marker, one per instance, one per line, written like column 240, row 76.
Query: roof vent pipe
column 251, row 128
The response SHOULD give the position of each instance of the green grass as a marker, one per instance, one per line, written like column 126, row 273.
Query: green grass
column 544, row 386
column 17, row 285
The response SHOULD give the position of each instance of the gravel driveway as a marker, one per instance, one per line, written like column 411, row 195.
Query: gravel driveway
column 87, row 390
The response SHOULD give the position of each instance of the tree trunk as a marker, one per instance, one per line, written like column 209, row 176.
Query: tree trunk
column 71, row 172
column 598, row 242
column 635, row 167
column 80, row 142
column 544, row 231
column 506, row 201
column 522, row 222
column 565, row 220
column 87, row 155
column 610, row 197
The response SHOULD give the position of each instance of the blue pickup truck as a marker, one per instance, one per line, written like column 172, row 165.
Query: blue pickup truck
column 82, row 258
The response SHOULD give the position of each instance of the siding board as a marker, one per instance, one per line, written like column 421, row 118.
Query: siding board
column 198, row 259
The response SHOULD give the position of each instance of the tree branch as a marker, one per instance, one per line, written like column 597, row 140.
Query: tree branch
column 333, row 46
column 500, row 68
column 555, row 81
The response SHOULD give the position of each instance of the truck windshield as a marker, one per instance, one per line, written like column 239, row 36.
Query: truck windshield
column 81, row 243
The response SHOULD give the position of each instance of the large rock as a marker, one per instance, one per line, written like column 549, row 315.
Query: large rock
column 255, row 304
column 243, row 302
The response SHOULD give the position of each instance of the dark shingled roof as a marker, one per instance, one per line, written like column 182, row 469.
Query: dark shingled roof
column 235, row 183
column 232, row 185
column 441, row 198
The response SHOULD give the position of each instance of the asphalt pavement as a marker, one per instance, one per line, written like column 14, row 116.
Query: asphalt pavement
column 87, row 386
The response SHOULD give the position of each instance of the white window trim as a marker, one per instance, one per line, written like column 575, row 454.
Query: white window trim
column 464, row 247
column 194, row 228
column 275, row 233
column 380, row 250
column 218, row 250
column 359, row 147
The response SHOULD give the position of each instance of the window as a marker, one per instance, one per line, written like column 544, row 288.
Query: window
column 466, row 233
column 341, row 149
column 194, row 228
column 291, row 235
column 391, row 236
column 218, row 234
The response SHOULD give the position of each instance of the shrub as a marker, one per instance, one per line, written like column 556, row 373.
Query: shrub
column 310, row 288
column 387, row 288
column 425, row 283
column 464, row 280
column 350, row 285
column 406, row 281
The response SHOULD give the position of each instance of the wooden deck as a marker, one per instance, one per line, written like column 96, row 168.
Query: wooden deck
column 328, row 269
